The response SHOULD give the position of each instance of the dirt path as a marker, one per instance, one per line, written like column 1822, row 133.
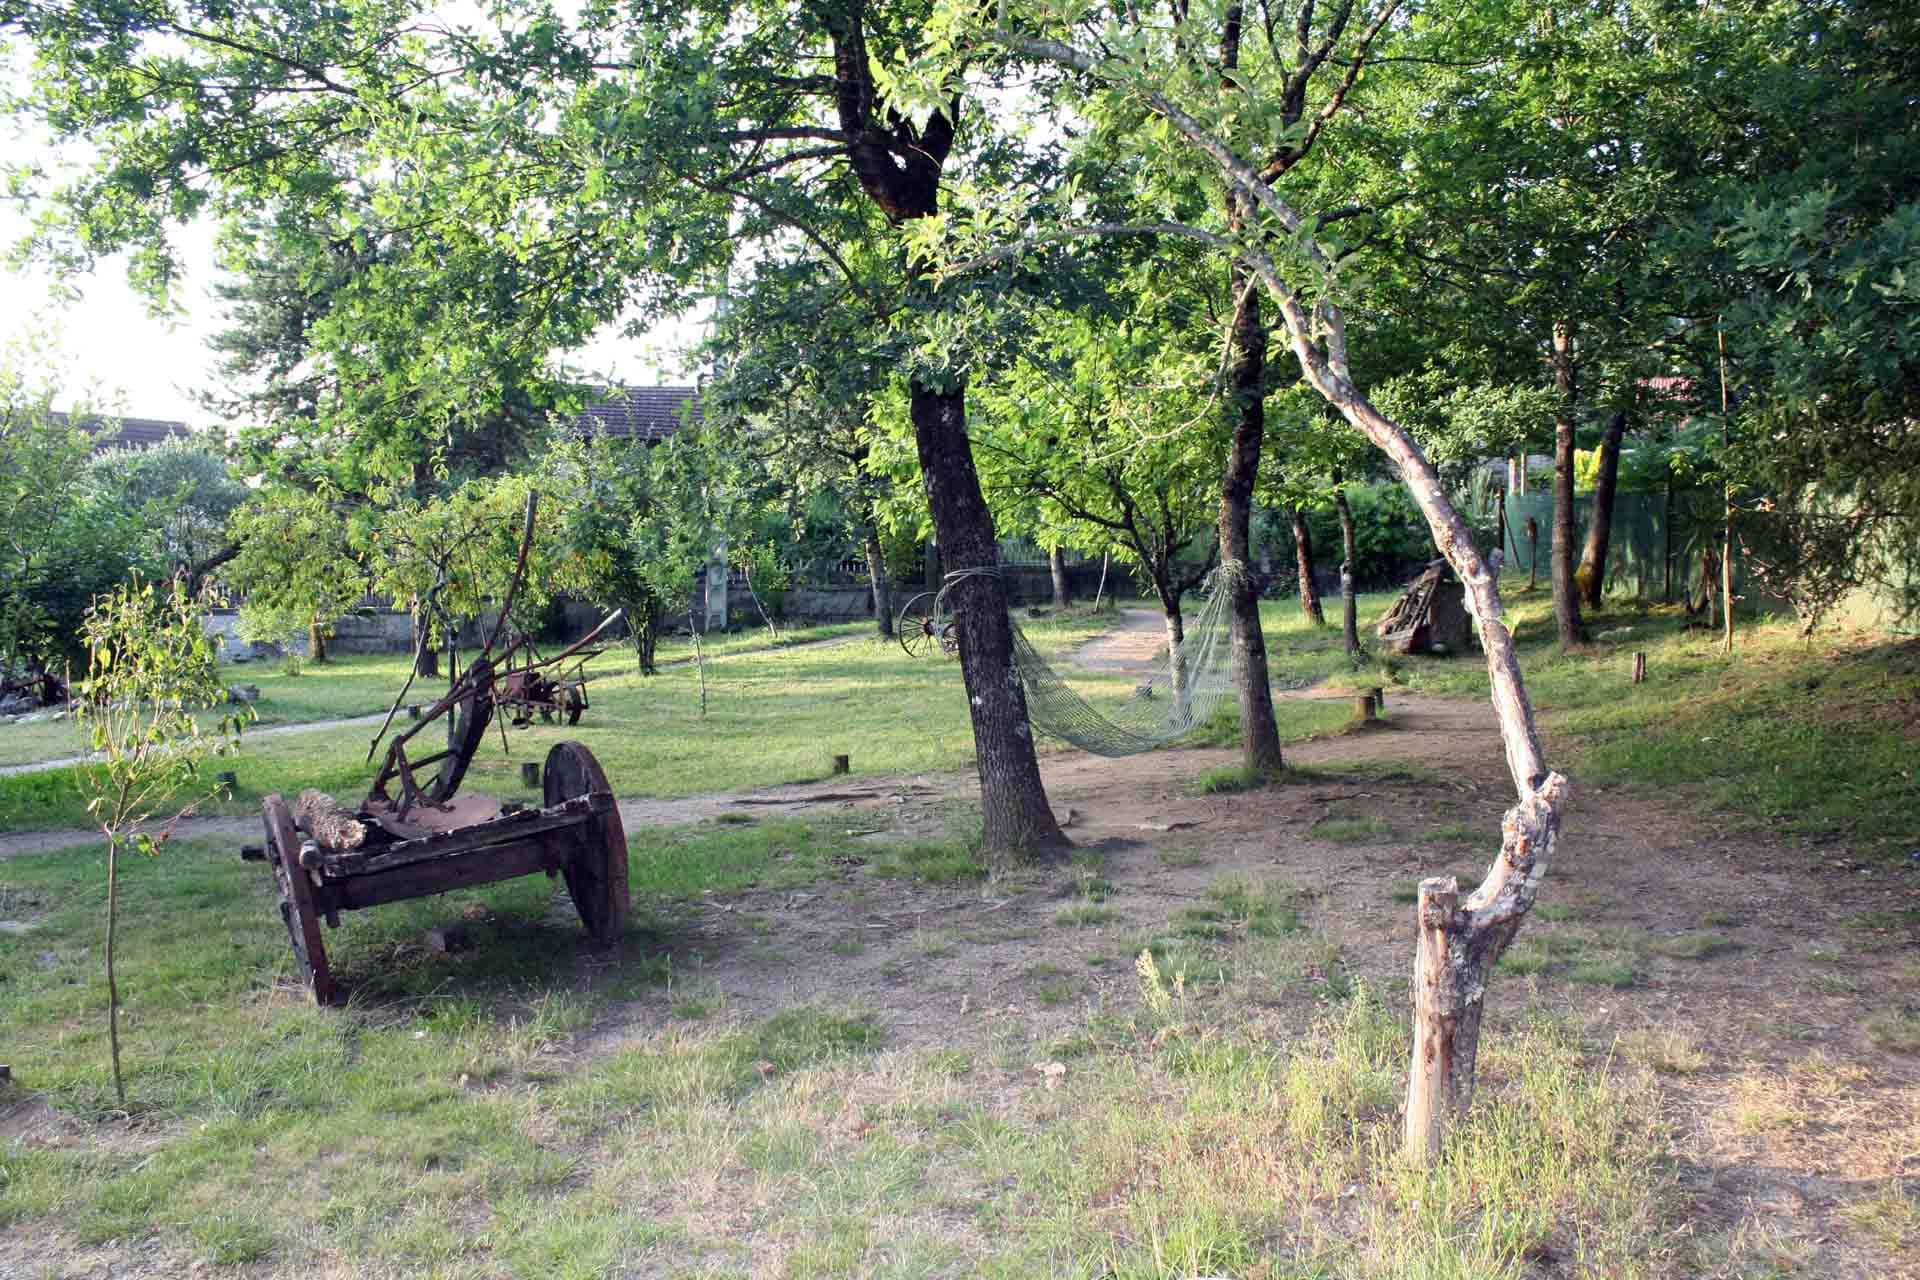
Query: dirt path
column 1135, row 646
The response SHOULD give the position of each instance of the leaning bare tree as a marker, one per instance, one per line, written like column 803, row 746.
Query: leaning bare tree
column 1151, row 64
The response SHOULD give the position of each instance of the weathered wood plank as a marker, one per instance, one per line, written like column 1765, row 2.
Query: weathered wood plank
column 501, row 862
column 477, row 840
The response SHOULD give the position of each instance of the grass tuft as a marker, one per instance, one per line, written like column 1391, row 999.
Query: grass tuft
column 1896, row 1032
column 1349, row 830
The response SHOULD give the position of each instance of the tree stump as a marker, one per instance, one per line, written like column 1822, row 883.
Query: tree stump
column 1363, row 705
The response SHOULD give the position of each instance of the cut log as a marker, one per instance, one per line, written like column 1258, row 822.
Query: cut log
column 331, row 824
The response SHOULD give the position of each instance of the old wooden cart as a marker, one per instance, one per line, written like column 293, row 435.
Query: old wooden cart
column 415, row 835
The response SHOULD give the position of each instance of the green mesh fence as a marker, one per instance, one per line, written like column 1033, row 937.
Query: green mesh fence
column 1655, row 549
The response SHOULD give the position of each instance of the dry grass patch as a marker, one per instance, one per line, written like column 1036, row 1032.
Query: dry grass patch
column 1671, row 1051
column 1896, row 1032
column 1832, row 1118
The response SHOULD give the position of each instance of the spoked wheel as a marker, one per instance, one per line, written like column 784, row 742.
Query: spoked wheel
column 916, row 627
column 297, row 907
column 949, row 639
column 597, row 873
column 576, row 703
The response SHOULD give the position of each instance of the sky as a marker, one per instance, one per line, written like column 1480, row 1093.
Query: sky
column 113, row 353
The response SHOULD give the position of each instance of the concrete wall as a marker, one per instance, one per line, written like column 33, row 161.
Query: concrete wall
column 372, row 631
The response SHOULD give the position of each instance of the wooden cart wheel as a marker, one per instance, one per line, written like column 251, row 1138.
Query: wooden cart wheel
column 950, row 639
column 297, row 907
column 915, row 626
column 597, row 873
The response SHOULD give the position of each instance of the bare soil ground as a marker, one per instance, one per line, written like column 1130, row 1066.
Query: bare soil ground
column 1739, row 965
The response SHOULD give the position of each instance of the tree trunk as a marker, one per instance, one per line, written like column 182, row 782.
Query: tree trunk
column 1057, row 565
column 316, row 643
column 898, row 166
column 1013, row 804
column 113, row 988
column 426, row 660
column 1176, row 623
column 1566, row 604
column 882, row 588
column 1349, row 607
column 643, row 624
column 1260, row 736
column 1591, row 576
column 1303, row 565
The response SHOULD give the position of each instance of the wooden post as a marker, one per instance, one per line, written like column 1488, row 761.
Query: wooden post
column 1379, row 696
column 1363, row 707
column 841, row 764
column 530, row 773
column 1726, row 533
column 1639, row 668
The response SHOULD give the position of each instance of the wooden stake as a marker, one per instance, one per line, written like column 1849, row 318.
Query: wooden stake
column 1363, row 706
column 841, row 764
column 1726, row 552
column 1639, row 668
column 699, row 660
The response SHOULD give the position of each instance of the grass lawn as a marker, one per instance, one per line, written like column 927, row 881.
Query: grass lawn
column 523, row 1105
column 351, row 685
column 1816, row 738
column 773, row 716
column 443, row 1124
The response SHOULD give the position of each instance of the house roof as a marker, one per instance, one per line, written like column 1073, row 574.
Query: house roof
column 112, row 432
column 639, row 413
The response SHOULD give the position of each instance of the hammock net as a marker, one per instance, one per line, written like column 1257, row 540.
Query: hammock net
column 1197, row 679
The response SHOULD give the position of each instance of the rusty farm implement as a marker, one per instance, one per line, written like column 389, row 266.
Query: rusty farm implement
column 416, row 834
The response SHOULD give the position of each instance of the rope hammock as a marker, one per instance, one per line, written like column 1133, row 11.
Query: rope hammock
column 1198, row 678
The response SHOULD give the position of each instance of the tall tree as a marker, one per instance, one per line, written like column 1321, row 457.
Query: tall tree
column 550, row 171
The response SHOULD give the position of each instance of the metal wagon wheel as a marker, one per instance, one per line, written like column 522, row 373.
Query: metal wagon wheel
column 917, row 628
column 297, row 906
column 597, row 873
column 576, row 703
